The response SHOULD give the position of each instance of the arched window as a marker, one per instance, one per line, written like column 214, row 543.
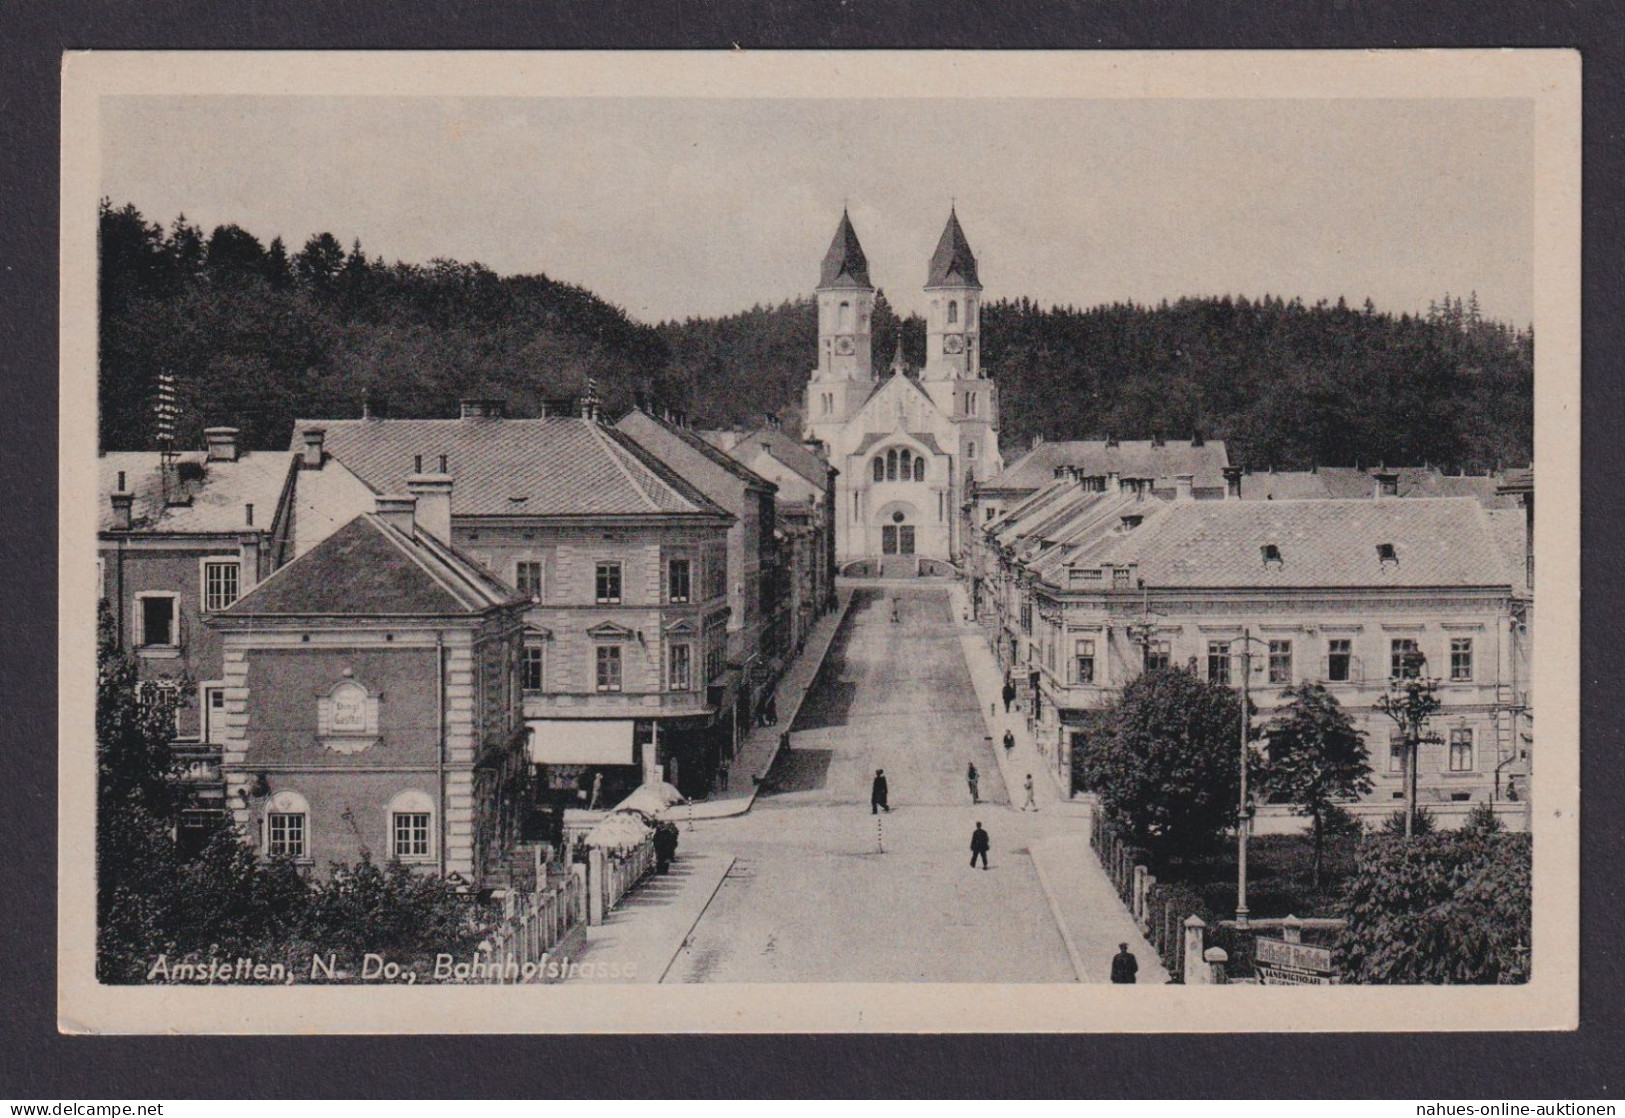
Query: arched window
column 410, row 820
column 844, row 318
column 919, row 469
column 880, row 468
column 970, row 314
column 905, row 468
column 953, row 311
column 891, row 465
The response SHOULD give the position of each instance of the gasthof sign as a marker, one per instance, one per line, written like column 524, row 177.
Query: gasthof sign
column 1298, row 956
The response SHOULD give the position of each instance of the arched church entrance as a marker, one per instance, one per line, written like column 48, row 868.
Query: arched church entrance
column 898, row 523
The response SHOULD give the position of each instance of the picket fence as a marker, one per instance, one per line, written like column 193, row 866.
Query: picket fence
column 550, row 921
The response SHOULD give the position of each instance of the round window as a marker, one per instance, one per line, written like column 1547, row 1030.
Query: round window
column 896, row 518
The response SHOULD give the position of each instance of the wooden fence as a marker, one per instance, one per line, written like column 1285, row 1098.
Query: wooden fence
column 623, row 871
column 551, row 921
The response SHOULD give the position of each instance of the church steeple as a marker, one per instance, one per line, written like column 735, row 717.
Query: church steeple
column 953, row 264
column 952, row 349
column 844, row 263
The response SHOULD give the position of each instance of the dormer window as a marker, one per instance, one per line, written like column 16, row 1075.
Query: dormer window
column 1272, row 555
column 1387, row 553
column 1132, row 521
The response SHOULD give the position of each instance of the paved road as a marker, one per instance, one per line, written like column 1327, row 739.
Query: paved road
column 811, row 898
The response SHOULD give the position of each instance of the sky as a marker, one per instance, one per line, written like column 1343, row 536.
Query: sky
column 677, row 207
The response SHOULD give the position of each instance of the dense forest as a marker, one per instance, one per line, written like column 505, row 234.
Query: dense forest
column 255, row 336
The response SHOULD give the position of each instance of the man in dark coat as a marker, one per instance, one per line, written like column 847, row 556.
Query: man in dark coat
column 978, row 846
column 1009, row 694
column 1009, row 742
column 973, row 778
column 877, row 794
column 1124, row 965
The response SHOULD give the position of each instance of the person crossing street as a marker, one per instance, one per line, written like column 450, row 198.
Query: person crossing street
column 978, row 846
column 1027, row 786
column 973, row 779
column 877, row 794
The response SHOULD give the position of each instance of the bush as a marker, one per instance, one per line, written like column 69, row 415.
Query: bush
column 1483, row 820
column 1446, row 908
column 1339, row 822
column 1424, row 825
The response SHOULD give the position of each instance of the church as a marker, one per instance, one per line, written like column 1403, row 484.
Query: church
column 908, row 448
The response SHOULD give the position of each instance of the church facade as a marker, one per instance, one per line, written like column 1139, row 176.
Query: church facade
column 908, row 447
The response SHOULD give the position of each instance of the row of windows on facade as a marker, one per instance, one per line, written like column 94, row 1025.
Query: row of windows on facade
column 1340, row 666
column 843, row 316
column 410, row 822
column 609, row 664
column 159, row 611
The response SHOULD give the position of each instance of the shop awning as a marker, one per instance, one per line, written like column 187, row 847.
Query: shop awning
column 557, row 741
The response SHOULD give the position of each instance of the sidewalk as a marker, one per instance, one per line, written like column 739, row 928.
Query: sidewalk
column 1092, row 919
column 645, row 932
column 757, row 752
column 1025, row 758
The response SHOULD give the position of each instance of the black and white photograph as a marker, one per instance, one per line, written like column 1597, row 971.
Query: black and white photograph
column 820, row 541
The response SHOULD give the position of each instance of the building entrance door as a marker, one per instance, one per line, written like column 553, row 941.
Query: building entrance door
column 888, row 539
column 905, row 539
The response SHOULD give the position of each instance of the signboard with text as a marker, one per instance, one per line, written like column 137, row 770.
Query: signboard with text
column 1280, row 963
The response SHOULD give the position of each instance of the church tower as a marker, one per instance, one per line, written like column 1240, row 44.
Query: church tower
column 953, row 376
column 845, row 376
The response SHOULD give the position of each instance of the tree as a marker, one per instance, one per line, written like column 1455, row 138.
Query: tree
column 1163, row 760
column 1412, row 701
column 1316, row 757
column 1447, row 908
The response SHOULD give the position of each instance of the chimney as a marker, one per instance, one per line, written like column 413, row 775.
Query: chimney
column 1196, row 438
column 313, row 448
column 1038, row 441
column 375, row 407
column 1113, row 481
column 398, row 512
column 222, row 443
column 433, row 495
column 123, row 504
column 1387, row 483
column 482, row 409
column 1184, row 487
column 1156, row 442
column 248, row 545
column 1111, row 440
column 1232, row 483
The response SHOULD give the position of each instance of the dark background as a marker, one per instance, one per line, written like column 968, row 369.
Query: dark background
column 38, row 1064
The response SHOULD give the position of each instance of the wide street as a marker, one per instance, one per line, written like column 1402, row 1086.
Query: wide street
column 822, row 890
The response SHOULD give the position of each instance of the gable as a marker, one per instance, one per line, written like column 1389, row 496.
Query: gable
column 898, row 406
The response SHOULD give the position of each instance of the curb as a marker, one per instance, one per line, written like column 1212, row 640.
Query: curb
column 688, row 931
column 1072, row 953
column 730, row 808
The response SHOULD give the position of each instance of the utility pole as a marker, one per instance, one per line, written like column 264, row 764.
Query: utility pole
column 1243, row 823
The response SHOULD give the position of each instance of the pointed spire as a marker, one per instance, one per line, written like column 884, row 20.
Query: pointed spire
column 953, row 264
column 844, row 263
column 898, row 365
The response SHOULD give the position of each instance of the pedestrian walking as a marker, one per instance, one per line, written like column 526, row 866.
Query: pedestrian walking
column 722, row 773
column 597, row 791
column 1124, row 966
column 877, row 794
column 972, row 778
column 1009, row 694
column 1027, row 786
column 1009, row 744
column 978, row 846
column 771, row 710
column 894, row 611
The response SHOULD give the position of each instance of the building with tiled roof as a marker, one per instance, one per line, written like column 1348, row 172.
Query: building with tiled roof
column 805, row 507
column 907, row 448
column 181, row 537
column 370, row 685
column 624, row 562
column 1084, row 590
column 756, row 642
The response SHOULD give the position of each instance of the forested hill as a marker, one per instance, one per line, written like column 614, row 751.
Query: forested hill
column 256, row 335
